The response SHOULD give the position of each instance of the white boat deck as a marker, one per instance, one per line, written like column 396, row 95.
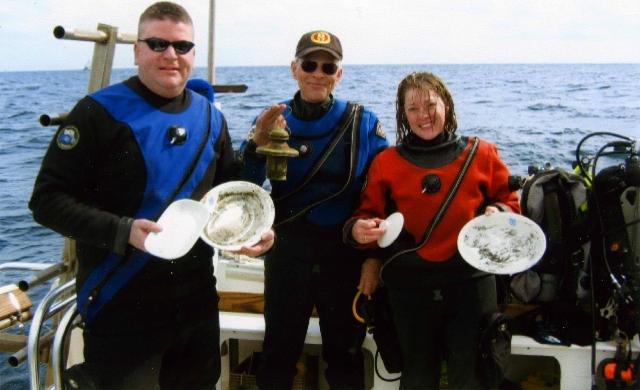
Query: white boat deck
column 574, row 361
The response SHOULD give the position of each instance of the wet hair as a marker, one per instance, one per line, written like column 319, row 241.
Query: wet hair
column 165, row 10
column 429, row 83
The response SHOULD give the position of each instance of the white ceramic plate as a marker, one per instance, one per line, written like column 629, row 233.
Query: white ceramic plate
column 181, row 224
column 502, row 243
column 241, row 212
column 394, row 224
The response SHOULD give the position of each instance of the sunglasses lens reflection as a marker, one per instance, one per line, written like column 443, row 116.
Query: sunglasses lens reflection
column 159, row 45
column 328, row 68
column 309, row 66
column 182, row 47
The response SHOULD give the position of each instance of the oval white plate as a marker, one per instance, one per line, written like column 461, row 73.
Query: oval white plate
column 241, row 212
column 502, row 243
column 394, row 224
column 181, row 224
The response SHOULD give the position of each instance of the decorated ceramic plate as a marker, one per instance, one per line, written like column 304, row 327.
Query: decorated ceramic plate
column 501, row 243
column 241, row 212
column 393, row 223
column 181, row 224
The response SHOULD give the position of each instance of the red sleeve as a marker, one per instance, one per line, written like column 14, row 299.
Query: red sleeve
column 375, row 193
column 498, row 189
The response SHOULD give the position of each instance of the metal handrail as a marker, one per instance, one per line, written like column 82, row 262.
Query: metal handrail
column 20, row 266
column 50, row 305
column 57, row 358
column 43, row 272
column 43, row 275
column 94, row 36
column 105, row 39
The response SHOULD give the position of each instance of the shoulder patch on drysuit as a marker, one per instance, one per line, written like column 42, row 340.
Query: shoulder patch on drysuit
column 380, row 131
column 68, row 137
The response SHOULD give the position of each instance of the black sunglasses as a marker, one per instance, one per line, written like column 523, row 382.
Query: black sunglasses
column 328, row 68
column 159, row 45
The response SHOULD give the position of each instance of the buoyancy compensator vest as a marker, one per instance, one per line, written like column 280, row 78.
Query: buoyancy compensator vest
column 591, row 268
column 556, row 200
column 616, row 247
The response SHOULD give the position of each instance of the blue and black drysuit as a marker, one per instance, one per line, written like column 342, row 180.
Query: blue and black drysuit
column 146, row 320
column 309, row 265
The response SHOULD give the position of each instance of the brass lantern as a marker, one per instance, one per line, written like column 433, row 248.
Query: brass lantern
column 277, row 152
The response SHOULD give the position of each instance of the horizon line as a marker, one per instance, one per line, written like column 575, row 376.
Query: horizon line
column 349, row 64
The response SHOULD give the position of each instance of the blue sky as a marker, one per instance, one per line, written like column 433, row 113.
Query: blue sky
column 258, row 32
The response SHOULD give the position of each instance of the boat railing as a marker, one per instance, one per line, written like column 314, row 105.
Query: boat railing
column 59, row 300
column 60, row 348
column 15, row 303
column 43, row 275
column 40, row 330
column 105, row 39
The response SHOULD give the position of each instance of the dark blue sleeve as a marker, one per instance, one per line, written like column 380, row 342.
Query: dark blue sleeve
column 254, row 168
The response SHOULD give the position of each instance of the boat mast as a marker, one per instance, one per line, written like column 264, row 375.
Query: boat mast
column 211, row 66
column 211, row 69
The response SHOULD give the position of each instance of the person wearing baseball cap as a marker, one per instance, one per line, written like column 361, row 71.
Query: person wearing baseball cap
column 319, row 41
column 309, row 265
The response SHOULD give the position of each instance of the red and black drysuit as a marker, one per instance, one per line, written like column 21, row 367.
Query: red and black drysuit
column 437, row 298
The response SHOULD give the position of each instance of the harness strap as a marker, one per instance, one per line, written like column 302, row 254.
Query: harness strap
column 443, row 207
column 352, row 123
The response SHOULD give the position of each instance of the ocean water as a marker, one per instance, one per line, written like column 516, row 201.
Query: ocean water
column 536, row 114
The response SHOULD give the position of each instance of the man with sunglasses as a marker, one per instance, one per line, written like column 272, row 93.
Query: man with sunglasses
column 123, row 154
column 309, row 266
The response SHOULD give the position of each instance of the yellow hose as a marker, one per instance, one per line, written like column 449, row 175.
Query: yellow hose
column 354, row 308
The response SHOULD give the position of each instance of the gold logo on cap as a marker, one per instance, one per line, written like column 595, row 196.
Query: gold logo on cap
column 321, row 37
